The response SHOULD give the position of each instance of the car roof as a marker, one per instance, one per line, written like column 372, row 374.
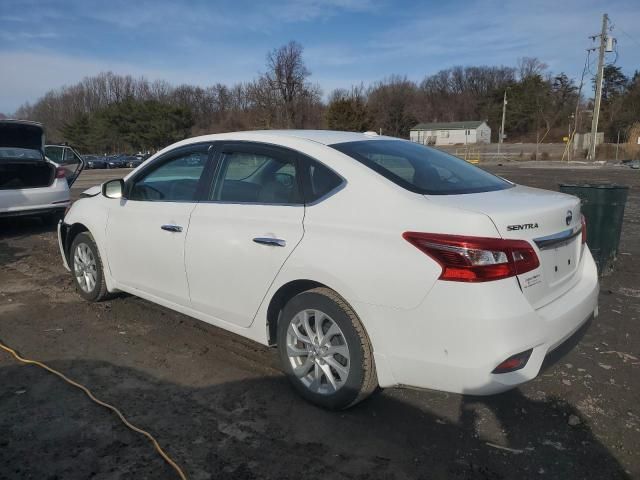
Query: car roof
column 325, row 137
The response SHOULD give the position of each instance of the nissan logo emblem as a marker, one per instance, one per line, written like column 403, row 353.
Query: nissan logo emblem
column 569, row 217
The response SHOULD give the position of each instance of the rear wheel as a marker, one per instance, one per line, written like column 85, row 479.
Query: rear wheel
column 86, row 267
column 325, row 350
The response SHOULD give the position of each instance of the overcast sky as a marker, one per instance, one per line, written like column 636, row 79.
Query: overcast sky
column 47, row 44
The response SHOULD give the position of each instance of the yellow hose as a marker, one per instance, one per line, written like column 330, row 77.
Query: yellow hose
column 157, row 446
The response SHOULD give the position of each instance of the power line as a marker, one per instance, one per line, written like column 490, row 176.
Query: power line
column 630, row 37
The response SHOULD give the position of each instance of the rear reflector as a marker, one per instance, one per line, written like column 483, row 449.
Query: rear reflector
column 513, row 363
column 60, row 172
column 475, row 259
column 584, row 228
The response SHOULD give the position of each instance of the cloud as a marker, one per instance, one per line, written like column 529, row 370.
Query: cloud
column 496, row 32
column 28, row 36
column 346, row 41
column 308, row 10
column 28, row 75
column 168, row 14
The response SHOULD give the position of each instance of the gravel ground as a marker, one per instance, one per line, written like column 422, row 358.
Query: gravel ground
column 221, row 407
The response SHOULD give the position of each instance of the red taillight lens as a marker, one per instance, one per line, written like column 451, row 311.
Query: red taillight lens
column 60, row 172
column 475, row 259
column 513, row 363
column 584, row 228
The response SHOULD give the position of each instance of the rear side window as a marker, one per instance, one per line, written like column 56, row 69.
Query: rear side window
column 70, row 156
column 55, row 154
column 422, row 169
column 247, row 177
column 322, row 181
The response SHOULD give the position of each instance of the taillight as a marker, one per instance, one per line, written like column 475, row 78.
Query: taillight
column 475, row 259
column 513, row 363
column 60, row 172
column 583, row 221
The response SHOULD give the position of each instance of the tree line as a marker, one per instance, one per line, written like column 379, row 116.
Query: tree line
column 110, row 112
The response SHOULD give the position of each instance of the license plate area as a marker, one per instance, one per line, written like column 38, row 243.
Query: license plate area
column 561, row 260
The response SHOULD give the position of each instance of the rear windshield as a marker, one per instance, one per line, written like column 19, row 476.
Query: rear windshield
column 10, row 153
column 422, row 169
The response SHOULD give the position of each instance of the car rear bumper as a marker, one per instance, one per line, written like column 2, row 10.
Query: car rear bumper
column 34, row 211
column 35, row 201
column 461, row 332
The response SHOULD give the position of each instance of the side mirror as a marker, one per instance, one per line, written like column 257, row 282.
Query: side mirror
column 113, row 188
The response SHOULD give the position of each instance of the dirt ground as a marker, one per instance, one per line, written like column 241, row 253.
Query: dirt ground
column 222, row 409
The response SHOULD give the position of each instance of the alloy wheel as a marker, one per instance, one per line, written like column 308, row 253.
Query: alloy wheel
column 318, row 352
column 84, row 267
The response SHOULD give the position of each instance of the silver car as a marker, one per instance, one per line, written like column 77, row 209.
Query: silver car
column 30, row 183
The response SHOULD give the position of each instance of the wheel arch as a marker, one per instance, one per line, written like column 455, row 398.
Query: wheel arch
column 69, row 235
column 279, row 299
column 285, row 293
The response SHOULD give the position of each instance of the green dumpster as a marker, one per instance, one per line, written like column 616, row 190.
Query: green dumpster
column 603, row 208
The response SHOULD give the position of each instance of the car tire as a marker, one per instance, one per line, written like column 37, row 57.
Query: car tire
column 317, row 363
column 86, row 267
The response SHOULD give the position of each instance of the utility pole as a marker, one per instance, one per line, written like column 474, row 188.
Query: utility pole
column 571, row 117
column 599, row 79
column 504, row 113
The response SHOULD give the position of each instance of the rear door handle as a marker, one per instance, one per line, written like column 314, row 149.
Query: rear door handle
column 274, row 242
column 172, row 228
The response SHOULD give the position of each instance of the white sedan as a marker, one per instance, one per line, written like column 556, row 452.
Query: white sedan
column 369, row 261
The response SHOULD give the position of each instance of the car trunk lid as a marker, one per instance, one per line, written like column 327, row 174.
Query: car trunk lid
column 550, row 221
column 18, row 134
column 22, row 161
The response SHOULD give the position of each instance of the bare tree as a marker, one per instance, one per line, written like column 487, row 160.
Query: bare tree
column 530, row 66
column 392, row 106
column 287, row 75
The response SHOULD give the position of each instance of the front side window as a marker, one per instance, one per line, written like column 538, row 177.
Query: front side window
column 257, row 178
column 173, row 181
column 422, row 169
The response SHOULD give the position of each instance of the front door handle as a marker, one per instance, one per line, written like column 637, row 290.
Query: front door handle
column 274, row 242
column 172, row 228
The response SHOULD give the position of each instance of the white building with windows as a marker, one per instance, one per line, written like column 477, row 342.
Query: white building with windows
column 451, row 133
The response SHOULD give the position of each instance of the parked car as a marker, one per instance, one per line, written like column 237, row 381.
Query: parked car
column 133, row 162
column 95, row 161
column 116, row 161
column 367, row 260
column 30, row 183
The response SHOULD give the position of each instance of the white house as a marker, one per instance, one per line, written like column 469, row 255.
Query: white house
column 451, row 133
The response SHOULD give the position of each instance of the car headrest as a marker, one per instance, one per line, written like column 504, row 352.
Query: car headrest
column 274, row 192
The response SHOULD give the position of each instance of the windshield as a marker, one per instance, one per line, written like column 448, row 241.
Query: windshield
column 422, row 169
column 11, row 153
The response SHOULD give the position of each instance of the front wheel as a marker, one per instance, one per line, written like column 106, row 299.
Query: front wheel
column 325, row 350
column 86, row 267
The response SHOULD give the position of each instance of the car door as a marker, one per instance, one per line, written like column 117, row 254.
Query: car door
column 55, row 153
column 73, row 165
column 241, row 235
column 146, row 230
column 67, row 158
